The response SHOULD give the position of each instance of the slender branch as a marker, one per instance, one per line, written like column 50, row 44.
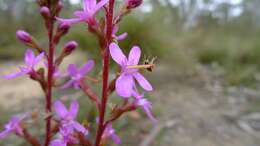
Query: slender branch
column 31, row 139
column 109, row 28
column 90, row 93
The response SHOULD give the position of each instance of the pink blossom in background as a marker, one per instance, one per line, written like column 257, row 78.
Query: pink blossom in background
column 14, row 125
column 78, row 73
column 140, row 101
column 30, row 62
column 110, row 133
column 87, row 15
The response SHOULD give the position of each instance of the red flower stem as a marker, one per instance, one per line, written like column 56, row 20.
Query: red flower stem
column 49, row 81
column 101, row 126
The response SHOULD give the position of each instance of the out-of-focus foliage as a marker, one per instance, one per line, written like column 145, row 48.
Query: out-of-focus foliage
column 182, row 32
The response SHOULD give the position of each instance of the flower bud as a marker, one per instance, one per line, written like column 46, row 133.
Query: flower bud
column 131, row 4
column 70, row 46
column 67, row 50
column 24, row 36
column 45, row 12
column 62, row 29
column 58, row 7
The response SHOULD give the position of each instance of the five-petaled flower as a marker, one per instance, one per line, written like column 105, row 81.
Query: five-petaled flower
column 77, row 73
column 14, row 125
column 67, row 117
column 125, row 82
column 90, row 8
column 30, row 61
column 140, row 101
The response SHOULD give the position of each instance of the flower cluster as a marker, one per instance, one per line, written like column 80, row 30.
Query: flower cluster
column 43, row 66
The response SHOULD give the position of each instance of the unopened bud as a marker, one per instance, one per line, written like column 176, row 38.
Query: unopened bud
column 58, row 7
column 131, row 4
column 45, row 12
column 62, row 29
column 67, row 50
column 70, row 46
column 24, row 36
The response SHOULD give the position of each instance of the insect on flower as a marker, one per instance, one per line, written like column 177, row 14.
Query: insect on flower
column 129, row 70
column 150, row 61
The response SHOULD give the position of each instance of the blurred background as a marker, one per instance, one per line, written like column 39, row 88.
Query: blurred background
column 206, row 79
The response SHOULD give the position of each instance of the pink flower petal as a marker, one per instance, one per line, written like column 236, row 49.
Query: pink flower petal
column 149, row 113
column 76, row 85
column 143, row 82
column 4, row 133
column 80, row 128
column 13, row 75
column 122, row 36
column 146, row 105
column 19, row 130
column 60, row 109
column 116, row 139
column 79, row 13
column 69, row 21
column 134, row 56
column 115, row 30
column 117, row 54
column 74, row 107
column 58, row 142
column 124, row 85
column 67, row 85
column 99, row 5
column 87, row 67
column 88, row 5
column 38, row 58
column 72, row 70
column 29, row 57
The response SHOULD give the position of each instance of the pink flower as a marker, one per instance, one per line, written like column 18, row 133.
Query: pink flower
column 67, row 117
column 90, row 8
column 110, row 133
column 118, row 37
column 65, row 136
column 14, row 125
column 77, row 74
column 145, row 104
column 125, row 82
column 30, row 61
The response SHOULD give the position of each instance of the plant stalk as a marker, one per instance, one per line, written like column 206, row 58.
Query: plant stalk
column 48, row 99
column 106, row 57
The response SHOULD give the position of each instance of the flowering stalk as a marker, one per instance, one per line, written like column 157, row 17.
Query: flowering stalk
column 48, row 104
column 64, row 125
column 106, row 57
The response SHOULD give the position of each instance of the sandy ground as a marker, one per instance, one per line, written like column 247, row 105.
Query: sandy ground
column 204, row 110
